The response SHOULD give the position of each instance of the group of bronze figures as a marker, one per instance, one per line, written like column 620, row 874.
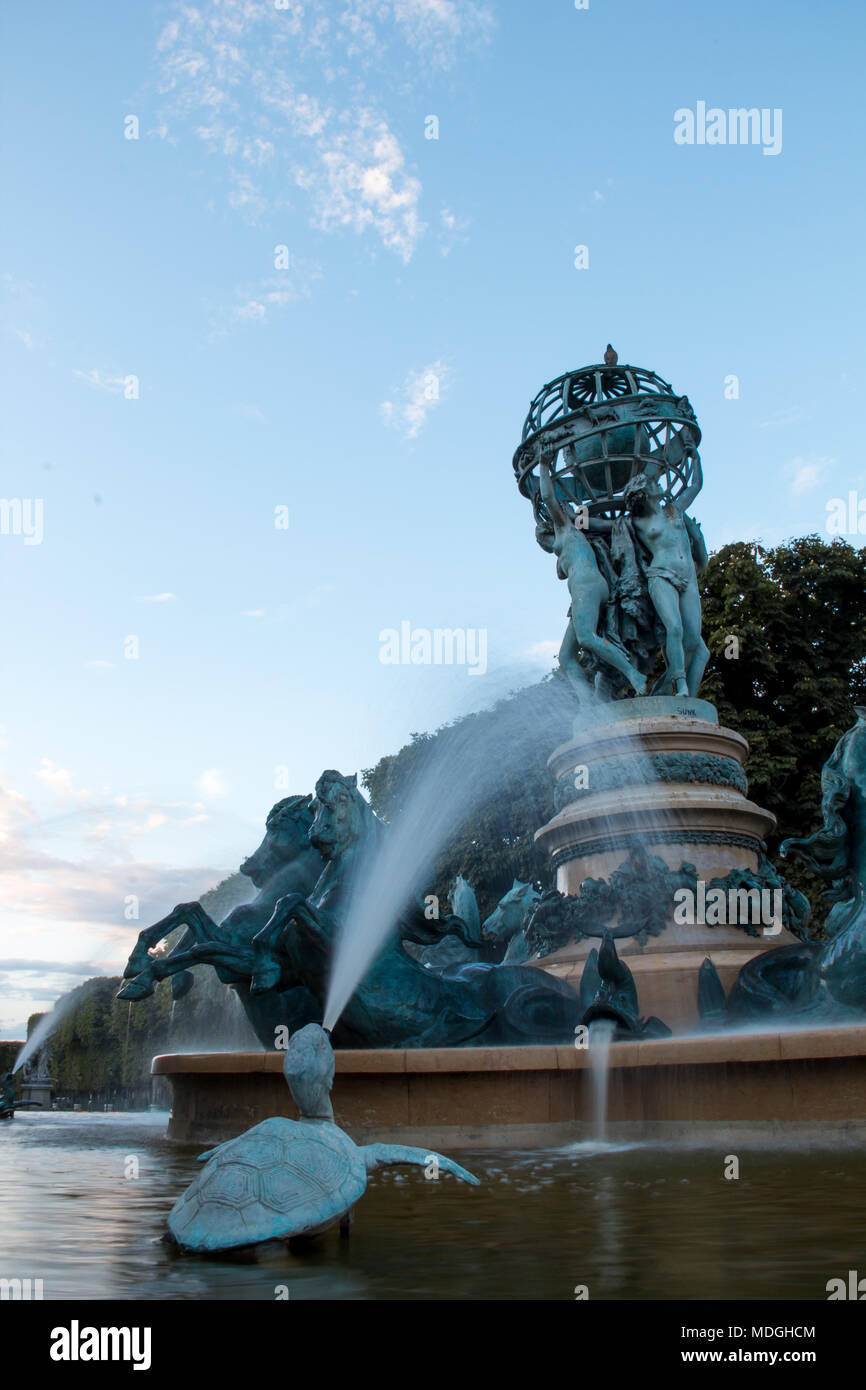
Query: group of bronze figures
column 453, row 980
column 820, row 979
column 609, row 460
column 277, row 950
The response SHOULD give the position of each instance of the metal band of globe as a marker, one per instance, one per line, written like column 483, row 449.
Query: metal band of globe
column 609, row 422
column 593, row 385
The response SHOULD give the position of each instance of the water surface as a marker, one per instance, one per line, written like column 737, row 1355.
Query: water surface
column 628, row 1221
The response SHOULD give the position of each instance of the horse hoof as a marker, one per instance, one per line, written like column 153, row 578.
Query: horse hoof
column 182, row 983
column 137, row 962
column 135, row 990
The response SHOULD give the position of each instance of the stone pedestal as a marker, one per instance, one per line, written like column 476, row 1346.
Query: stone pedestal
column 38, row 1091
column 658, row 772
column 728, row 1088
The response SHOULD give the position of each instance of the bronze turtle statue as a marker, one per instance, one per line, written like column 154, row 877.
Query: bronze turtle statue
column 286, row 1179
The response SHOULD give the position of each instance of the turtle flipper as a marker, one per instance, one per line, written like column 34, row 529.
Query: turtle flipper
column 381, row 1155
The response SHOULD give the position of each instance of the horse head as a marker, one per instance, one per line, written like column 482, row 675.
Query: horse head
column 509, row 914
column 342, row 818
column 287, row 834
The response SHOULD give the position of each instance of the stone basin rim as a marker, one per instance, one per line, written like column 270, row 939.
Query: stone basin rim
column 689, row 1049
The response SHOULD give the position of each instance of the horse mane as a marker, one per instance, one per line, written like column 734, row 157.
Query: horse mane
column 333, row 783
column 296, row 809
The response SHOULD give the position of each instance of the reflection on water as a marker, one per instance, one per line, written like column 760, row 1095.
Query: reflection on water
column 629, row 1221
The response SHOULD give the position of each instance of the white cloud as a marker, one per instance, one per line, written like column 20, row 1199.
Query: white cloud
column 360, row 182
column 15, row 287
column 253, row 613
column 452, row 229
column 440, row 28
column 156, row 598
column 543, row 652
column 422, row 390
column 212, row 784
column 290, row 91
column 260, row 301
column 806, row 472
column 59, row 781
column 103, row 381
column 48, row 884
column 99, row 663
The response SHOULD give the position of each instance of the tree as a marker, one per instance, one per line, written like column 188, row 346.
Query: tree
column 787, row 631
column 788, row 683
column 787, row 634
column 502, row 754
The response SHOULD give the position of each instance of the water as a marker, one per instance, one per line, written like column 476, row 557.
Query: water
column 629, row 1221
column 601, row 1032
column 461, row 772
column 43, row 1030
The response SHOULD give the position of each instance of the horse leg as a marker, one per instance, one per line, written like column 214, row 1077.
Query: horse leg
column 183, row 981
column 191, row 915
column 208, row 953
column 268, row 967
column 201, row 930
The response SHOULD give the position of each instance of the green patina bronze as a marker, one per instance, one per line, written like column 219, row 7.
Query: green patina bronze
column 682, row 766
column 286, row 1179
column 609, row 459
column 816, row 979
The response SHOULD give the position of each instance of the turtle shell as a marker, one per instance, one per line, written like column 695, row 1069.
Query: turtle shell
column 282, row 1178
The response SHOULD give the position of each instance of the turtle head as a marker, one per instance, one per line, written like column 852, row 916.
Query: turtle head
column 309, row 1070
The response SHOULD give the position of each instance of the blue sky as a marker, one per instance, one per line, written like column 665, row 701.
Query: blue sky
column 309, row 388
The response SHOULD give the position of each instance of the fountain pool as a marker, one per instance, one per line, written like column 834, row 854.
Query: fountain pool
column 639, row 1221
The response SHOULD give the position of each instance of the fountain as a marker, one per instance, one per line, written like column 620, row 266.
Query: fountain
column 9, row 1103
column 667, row 981
column 601, row 1033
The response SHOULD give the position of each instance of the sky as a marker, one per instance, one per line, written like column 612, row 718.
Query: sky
column 279, row 282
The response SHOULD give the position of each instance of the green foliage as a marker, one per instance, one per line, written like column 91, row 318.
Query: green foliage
column 797, row 612
column 103, row 1046
column 495, row 842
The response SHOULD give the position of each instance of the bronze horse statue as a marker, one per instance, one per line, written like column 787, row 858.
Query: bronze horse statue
column 285, row 862
column 398, row 1003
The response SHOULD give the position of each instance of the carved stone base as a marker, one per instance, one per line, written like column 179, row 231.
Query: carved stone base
column 723, row 1088
column 38, row 1091
column 662, row 773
